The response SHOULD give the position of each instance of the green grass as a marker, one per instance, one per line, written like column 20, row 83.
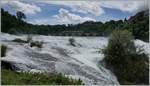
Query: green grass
column 3, row 50
column 9, row 77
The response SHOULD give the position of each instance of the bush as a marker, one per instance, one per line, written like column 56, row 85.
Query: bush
column 128, row 65
column 7, row 65
column 19, row 40
column 3, row 50
column 72, row 41
column 10, row 77
column 36, row 44
column 29, row 40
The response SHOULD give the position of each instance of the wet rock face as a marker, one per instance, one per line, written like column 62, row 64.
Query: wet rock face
column 39, row 56
column 59, row 57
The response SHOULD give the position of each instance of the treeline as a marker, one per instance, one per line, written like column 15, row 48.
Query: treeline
column 138, row 25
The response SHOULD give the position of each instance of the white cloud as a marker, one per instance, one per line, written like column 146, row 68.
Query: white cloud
column 65, row 17
column 108, row 18
column 24, row 7
column 43, row 21
column 126, row 6
column 91, row 7
column 96, row 7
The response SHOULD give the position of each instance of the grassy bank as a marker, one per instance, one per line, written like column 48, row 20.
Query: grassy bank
column 10, row 77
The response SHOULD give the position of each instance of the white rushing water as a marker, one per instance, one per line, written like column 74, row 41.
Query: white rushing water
column 57, row 55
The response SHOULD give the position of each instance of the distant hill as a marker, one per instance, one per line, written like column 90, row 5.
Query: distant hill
column 137, row 24
column 139, row 16
column 140, row 25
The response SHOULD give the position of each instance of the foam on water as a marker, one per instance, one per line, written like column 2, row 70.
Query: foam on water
column 57, row 55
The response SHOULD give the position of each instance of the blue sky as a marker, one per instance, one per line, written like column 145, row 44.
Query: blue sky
column 74, row 12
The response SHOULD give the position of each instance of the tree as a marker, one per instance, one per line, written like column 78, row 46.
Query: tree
column 120, row 44
column 125, row 20
column 129, row 65
column 20, row 15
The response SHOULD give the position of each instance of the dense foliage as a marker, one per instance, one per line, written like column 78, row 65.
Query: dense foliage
column 3, row 50
column 20, row 15
column 138, row 25
column 129, row 65
column 10, row 77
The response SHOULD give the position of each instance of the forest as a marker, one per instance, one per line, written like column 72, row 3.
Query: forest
column 137, row 25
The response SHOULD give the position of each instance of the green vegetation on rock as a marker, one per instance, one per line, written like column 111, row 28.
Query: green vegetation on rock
column 129, row 65
column 3, row 50
column 10, row 77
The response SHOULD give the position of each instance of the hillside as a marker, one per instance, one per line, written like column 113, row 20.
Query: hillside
column 138, row 25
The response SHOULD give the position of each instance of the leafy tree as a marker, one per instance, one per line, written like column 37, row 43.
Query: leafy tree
column 129, row 65
column 20, row 15
column 125, row 20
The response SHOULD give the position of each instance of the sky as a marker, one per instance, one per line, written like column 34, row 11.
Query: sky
column 50, row 12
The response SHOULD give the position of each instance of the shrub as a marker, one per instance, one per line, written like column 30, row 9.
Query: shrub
column 19, row 40
column 7, row 65
column 128, row 65
column 10, row 77
column 36, row 44
column 72, row 41
column 3, row 50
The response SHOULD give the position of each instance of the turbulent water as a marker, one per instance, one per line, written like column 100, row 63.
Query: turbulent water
column 57, row 55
